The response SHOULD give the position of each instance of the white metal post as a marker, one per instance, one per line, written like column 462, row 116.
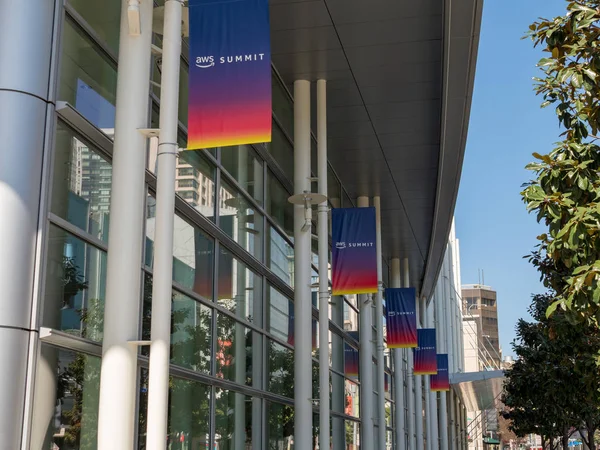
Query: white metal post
column 396, row 282
column 116, row 412
column 419, row 391
column 412, row 443
column 366, row 363
column 443, row 330
column 302, row 259
column 158, row 374
column 382, row 432
column 323, row 235
column 432, row 420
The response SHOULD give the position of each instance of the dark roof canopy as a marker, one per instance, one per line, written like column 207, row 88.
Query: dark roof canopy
column 400, row 79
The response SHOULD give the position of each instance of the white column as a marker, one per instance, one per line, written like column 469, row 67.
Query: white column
column 432, row 420
column 116, row 414
column 158, row 373
column 323, row 235
column 396, row 282
column 302, row 293
column 379, row 328
column 419, row 387
column 443, row 330
column 452, row 399
column 412, row 443
column 366, row 363
column 27, row 125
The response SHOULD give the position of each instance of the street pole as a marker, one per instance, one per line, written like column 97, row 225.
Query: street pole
column 379, row 329
column 323, row 236
column 158, row 373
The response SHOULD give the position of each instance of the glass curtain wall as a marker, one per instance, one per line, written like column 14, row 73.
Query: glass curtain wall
column 232, row 338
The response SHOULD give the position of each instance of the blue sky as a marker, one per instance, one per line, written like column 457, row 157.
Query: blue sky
column 506, row 127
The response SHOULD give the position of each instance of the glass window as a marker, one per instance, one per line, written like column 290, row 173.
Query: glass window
column 278, row 206
column 350, row 318
column 337, row 393
column 81, row 184
column 103, row 17
column 193, row 253
column 352, row 435
column 280, row 316
column 88, row 80
column 195, row 168
column 280, row 426
column 75, row 286
column 241, row 222
column 282, row 151
column 233, row 420
column 245, row 166
column 234, row 350
column 280, row 256
column 280, row 367
column 238, row 289
column 334, row 189
column 191, row 329
column 283, row 106
column 352, row 400
column 183, row 83
column 188, row 414
column 75, row 390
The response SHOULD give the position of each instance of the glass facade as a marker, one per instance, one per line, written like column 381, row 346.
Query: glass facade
column 232, row 327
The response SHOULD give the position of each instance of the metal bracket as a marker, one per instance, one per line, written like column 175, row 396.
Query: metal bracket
column 149, row 132
column 139, row 343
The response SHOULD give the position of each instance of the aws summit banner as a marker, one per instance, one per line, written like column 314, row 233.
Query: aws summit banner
column 425, row 361
column 354, row 252
column 230, row 73
column 441, row 381
column 401, row 317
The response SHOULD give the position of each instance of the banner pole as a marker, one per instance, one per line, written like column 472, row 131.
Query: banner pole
column 410, row 394
column 379, row 329
column 158, row 374
column 323, row 267
column 396, row 282
column 303, row 411
column 366, row 362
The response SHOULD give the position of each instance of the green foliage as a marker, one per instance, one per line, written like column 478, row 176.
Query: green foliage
column 565, row 195
column 554, row 386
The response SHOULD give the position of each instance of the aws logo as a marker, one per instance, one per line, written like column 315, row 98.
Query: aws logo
column 204, row 62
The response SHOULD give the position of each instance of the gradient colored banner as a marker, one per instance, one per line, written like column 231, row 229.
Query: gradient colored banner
column 230, row 73
column 354, row 253
column 351, row 358
column 441, row 381
column 401, row 317
column 424, row 356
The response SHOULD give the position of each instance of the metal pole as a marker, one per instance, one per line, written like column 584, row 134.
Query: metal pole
column 379, row 328
column 302, row 294
column 116, row 414
column 366, row 363
column 412, row 443
column 398, row 374
column 419, row 390
column 323, row 235
column 443, row 330
column 158, row 374
column 432, row 420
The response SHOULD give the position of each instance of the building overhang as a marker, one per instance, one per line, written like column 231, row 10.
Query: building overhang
column 400, row 79
column 479, row 390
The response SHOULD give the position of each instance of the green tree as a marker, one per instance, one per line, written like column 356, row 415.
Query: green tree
column 565, row 194
column 553, row 387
